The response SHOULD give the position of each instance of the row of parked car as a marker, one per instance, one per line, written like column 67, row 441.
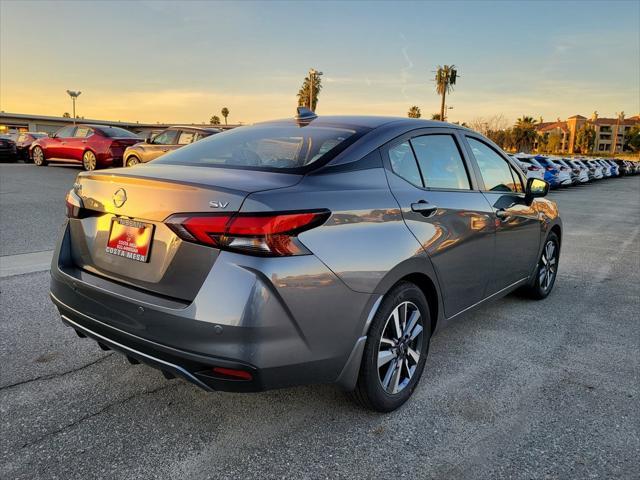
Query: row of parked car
column 563, row 172
column 98, row 146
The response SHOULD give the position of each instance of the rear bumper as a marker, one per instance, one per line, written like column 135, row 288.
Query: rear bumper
column 285, row 321
column 173, row 362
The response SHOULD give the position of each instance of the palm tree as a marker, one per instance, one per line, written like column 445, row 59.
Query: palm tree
column 225, row 114
column 445, row 80
column 524, row 133
column 303, row 93
column 436, row 116
column 414, row 112
column 214, row 120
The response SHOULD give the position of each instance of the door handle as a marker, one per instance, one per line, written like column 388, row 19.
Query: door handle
column 502, row 214
column 424, row 208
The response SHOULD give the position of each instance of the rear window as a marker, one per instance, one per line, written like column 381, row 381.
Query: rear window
column 268, row 147
column 116, row 132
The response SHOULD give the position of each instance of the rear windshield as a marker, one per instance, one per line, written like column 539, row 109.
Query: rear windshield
column 116, row 132
column 268, row 147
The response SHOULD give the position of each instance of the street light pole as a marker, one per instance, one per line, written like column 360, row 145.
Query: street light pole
column 73, row 96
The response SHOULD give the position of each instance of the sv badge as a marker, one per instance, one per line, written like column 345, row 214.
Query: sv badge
column 216, row 204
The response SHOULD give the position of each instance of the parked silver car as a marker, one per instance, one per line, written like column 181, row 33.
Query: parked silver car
column 302, row 251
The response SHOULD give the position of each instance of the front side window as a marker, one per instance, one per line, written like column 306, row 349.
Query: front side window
column 440, row 162
column 168, row 137
column 404, row 164
column 65, row 132
column 186, row 138
column 281, row 147
column 496, row 172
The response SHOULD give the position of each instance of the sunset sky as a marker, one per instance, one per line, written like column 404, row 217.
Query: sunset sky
column 181, row 62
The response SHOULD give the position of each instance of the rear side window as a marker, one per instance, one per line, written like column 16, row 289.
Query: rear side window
column 403, row 163
column 496, row 172
column 440, row 162
column 186, row 137
column 82, row 132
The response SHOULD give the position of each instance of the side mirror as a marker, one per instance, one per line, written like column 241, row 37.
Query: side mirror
column 535, row 188
column 148, row 139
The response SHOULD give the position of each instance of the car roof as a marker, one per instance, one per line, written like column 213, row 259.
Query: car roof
column 191, row 127
column 363, row 121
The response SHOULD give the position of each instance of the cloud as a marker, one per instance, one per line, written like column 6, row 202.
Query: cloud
column 405, row 74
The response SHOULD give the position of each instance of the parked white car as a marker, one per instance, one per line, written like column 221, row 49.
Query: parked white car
column 530, row 166
column 581, row 169
column 598, row 170
column 564, row 172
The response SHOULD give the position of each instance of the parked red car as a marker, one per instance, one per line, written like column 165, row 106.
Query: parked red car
column 94, row 146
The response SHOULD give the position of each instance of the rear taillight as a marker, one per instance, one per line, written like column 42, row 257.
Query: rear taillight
column 271, row 234
column 74, row 205
column 533, row 168
column 550, row 169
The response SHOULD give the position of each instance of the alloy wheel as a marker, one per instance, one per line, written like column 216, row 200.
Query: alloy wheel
column 89, row 160
column 399, row 348
column 131, row 161
column 548, row 265
column 38, row 156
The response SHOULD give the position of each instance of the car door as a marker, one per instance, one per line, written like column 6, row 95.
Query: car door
column 77, row 145
column 57, row 145
column 160, row 144
column 518, row 229
column 430, row 178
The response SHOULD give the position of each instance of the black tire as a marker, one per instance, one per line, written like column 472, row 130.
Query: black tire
column 545, row 278
column 132, row 161
column 370, row 392
column 38, row 157
column 89, row 161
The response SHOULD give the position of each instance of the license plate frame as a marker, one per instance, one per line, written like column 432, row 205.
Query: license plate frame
column 130, row 239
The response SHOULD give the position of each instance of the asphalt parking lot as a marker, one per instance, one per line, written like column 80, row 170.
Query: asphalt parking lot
column 518, row 389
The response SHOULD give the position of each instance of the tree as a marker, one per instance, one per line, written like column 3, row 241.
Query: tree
column 303, row 93
column 436, row 116
column 445, row 80
column 502, row 138
column 66, row 115
column 492, row 123
column 632, row 138
column 414, row 112
column 225, row 114
column 554, row 142
column 585, row 138
column 214, row 120
column 524, row 134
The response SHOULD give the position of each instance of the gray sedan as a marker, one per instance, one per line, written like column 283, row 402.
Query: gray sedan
column 302, row 251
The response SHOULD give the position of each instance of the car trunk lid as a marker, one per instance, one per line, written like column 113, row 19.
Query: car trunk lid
column 148, row 195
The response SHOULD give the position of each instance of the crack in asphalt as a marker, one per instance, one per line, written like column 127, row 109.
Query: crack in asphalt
column 54, row 375
column 95, row 414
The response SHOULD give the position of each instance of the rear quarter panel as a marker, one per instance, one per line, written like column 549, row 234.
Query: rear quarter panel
column 365, row 237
